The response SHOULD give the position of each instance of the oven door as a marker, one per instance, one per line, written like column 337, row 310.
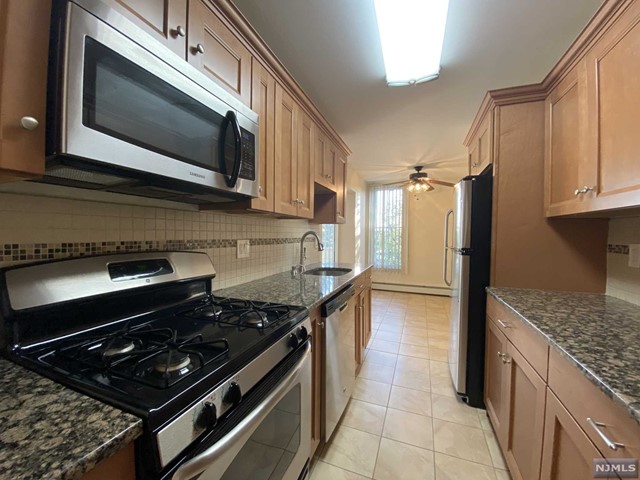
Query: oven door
column 268, row 441
column 124, row 106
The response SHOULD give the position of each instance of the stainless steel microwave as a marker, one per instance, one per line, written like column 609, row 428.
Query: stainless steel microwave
column 127, row 115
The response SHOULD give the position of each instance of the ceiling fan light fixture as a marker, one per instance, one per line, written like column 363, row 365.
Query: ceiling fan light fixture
column 411, row 34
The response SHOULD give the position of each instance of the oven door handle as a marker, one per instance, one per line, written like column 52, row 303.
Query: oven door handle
column 201, row 462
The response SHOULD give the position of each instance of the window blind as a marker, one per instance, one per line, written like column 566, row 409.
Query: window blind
column 388, row 228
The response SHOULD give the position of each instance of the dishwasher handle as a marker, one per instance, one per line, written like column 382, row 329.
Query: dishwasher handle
column 338, row 301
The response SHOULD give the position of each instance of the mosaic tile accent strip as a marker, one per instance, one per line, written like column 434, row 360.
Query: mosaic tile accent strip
column 622, row 249
column 51, row 251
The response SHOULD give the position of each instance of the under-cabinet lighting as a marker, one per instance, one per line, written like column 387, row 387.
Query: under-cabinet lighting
column 411, row 34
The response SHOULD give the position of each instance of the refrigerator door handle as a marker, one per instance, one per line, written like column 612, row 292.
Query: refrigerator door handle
column 447, row 247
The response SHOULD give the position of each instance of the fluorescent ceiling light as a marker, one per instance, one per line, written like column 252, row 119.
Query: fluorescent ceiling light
column 411, row 34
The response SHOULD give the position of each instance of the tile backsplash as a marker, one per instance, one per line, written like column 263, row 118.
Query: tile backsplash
column 34, row 228
column 623, row 281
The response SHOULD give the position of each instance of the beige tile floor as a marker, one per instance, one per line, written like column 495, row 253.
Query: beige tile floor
column 404, row 420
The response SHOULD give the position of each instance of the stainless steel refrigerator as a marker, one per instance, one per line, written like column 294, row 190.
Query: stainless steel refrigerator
column 466, row 271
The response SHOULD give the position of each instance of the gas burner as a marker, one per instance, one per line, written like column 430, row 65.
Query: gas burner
column 118, row 346
column 171, row 361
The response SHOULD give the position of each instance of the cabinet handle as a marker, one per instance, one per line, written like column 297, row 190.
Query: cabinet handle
column 503, row 324
column 29, row 123
column 179, row 31
column 199, row 48
column 474, row 165
column 301, row 202
column 610, row 443
column 504, row 357
column 583, row 190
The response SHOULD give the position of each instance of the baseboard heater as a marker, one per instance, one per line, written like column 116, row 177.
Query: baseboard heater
column 407, row 288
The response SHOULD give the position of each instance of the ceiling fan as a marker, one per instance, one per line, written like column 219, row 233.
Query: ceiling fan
column 419, row 181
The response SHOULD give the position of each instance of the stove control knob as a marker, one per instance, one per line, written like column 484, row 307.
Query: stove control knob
column 302, row 334
column 208, row 416
column 293, row 341
column 233, row 395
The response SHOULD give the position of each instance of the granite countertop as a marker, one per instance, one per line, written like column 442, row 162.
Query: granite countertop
column 307, row 291
column 48, row 431
column 598, row 333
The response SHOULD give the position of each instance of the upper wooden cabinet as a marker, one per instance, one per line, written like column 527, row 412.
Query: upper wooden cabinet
column 306, row 154
column 592, row 146
column 165, row 20
column 480, row 146
column 566, row 171
column 263, row 101
column 214, row 49
column 326, row 160
column 286, row 153
column 23, row 78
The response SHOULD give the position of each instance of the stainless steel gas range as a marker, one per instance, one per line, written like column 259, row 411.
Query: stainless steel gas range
column 222, row 385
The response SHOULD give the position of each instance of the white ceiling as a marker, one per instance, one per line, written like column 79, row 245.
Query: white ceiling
column 332, row 49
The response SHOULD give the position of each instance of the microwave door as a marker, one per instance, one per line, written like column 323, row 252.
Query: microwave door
column 124, row 107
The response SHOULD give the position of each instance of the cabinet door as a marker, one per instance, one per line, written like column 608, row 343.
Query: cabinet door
column 316, row 378
column 524, row 400
column 23, row 79
column 320, row 146
column 366, row 314
column 481, row 149
column 564, row 159
column 330, row 166
column 306, row 150
column 215, row 50
column 165, row 20
column 341, row 180
column 286, row 153
column 568, row 453
column 263, row 101
column 495, row 379
column 614, row 113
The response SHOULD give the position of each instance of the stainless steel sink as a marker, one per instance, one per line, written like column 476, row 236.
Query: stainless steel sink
column 328, row 271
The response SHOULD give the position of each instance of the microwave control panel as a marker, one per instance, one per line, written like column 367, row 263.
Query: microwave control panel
column 248, row 162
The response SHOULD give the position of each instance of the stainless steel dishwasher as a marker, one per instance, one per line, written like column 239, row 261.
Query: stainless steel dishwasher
column 338, row 314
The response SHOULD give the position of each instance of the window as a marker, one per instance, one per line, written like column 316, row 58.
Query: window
column 329, row 241
column 387, row 228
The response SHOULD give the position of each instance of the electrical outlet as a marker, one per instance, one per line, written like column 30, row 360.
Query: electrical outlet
column 242, row 249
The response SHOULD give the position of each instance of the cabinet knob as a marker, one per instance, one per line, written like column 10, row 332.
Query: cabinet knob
column 199, row 48
column 321, row 324
column 260, row 188
column 301, row 202
column 29, row 123
column 179, row 31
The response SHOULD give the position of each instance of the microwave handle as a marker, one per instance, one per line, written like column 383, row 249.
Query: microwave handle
column 230, row 120
column 204, row 460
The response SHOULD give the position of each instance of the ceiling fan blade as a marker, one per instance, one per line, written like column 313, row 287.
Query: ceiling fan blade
column 440, row 182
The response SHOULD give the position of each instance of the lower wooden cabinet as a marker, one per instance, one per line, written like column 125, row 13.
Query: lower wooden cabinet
column 524, row 400
column 568, row 453
column 317, row 359
column 545, row 427
column 363, row 316
column 120, row 465
column 495, row 376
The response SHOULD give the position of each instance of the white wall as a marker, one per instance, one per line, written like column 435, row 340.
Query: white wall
column 425, row 243
column 352, row 235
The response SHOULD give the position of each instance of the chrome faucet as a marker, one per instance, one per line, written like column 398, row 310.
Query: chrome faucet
column 299, row 269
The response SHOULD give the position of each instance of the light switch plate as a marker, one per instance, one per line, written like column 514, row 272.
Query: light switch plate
column 242, row 249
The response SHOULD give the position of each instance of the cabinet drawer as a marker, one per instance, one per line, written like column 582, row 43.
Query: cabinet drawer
column 534, row 348
column 572, row 388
